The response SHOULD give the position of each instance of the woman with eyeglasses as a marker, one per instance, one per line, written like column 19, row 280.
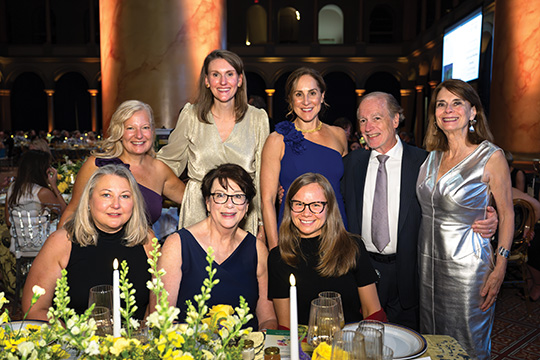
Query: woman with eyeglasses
column 240, row 259
column 322, row 255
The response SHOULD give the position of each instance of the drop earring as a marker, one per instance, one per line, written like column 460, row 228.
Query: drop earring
column 471, row 127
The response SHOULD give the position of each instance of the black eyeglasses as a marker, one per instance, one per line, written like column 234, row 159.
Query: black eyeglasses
column 315, row 207
column 221, row 198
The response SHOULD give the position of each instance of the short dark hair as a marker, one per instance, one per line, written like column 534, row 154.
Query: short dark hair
column 225, row 172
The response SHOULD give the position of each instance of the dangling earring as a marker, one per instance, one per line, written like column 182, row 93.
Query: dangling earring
column 471, row 123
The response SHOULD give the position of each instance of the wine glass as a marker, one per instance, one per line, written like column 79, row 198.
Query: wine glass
column 101, row 295
column 323, row 321
column 102, row 316
column 336, row 296
column 348, row 345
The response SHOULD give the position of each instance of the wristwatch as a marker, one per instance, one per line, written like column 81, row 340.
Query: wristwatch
column 504, row 252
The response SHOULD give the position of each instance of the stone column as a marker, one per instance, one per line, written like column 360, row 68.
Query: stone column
column 93, row 109
column 270, row 102
column 50, row 110
column 153, row 51
column 359, row 94
column 419, row 127
column 5, row 109
column 407, row 108
column 515, row 87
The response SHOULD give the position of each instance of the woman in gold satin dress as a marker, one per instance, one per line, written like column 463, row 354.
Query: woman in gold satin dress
column 219, row 128
column 459, row 274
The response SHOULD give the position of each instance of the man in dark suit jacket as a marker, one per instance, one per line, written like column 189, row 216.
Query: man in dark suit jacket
column 379, row 115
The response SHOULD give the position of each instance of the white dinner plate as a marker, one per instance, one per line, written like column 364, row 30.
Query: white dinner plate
column 406, row 343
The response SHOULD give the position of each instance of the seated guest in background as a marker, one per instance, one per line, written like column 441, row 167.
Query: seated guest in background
column 240, row 259
column 322, row 255
column 131, row 142
column 35, row 185
column 109, row 223
column 40, row 144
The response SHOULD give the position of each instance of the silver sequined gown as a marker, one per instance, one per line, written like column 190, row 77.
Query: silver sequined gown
column 454, row 261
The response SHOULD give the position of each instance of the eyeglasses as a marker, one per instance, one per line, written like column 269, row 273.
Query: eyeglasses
column 315, row 207
column 221, row 198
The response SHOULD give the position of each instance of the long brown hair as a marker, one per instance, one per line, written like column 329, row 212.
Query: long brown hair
column 435, row 138
column 205, row 100
column 337, row 248
column 32, row 170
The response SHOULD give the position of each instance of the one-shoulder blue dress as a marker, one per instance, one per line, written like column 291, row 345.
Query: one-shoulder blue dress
column 302, row 156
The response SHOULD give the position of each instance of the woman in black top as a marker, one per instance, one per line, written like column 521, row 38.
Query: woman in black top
column 109, row 223
column 322, row 255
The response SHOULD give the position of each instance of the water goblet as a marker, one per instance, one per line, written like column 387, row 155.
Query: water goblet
column 323, row 321
column 348, row 345
column 336, row 296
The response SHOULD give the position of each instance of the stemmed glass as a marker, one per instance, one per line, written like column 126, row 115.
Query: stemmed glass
column 336, row 296
column 101, row 295
column 348, row 345
column 323, row 321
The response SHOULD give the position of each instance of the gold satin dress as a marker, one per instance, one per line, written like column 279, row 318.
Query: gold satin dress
column 199, row 147
column 454, row 261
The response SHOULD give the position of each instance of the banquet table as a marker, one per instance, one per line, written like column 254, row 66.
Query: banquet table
column 439, row 347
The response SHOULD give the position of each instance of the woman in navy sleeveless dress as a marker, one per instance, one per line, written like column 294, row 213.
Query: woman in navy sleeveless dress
column 304, row 145
column 240, row 260
column 131, row 142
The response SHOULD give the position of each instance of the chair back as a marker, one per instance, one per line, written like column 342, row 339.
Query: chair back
column 30, row 227
column 524, row 219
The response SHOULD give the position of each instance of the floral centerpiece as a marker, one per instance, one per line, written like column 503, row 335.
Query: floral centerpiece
column 207, row 334
column 66, row 174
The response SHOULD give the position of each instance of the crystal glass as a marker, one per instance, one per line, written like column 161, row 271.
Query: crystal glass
column 336, row 296
column 375, row 324
column 101, row 295
column 102, row 316
column 373, row 340
column 387, row 353
column 348, row 345
column 323, row 321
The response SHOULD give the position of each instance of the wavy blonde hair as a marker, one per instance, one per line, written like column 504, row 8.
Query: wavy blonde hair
column 112, row 146
column 81, row 228
column 337, row 248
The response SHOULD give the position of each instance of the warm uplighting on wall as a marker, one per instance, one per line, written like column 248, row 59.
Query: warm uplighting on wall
column 297, row 15
column 248, row 43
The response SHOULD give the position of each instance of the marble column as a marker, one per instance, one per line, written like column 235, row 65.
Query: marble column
column 153, row 51
column 515, row 87
column 50, row 109
column 5, row 109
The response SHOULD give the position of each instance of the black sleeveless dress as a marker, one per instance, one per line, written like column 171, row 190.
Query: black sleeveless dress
column 93, row 265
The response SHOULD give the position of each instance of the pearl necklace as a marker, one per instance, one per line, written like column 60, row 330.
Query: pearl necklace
column 319, row 127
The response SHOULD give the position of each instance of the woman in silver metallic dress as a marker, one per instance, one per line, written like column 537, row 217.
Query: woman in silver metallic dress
column 459, row 274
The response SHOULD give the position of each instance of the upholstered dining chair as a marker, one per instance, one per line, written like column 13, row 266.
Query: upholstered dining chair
column 525, row 220
column 30, row 227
